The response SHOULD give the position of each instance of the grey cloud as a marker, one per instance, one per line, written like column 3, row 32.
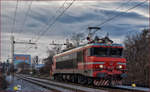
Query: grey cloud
column 76, row 19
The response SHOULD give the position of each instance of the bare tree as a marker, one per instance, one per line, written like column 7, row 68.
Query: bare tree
column 47, row 63
column 137, row 55
column 35, row 60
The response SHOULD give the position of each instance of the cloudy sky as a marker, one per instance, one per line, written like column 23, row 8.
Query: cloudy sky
column 33, row 19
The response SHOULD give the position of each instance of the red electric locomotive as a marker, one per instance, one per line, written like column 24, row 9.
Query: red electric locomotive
column 100, row 64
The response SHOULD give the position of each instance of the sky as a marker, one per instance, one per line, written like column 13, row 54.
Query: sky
column 27, row 20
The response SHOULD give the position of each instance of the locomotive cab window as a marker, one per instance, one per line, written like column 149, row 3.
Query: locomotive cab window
column 99, row 51
column 106, row 52
column 116, row 52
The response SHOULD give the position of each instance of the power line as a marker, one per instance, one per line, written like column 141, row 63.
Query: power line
column 47, row 24
column 120, row 6
column 14, row 20
column 50, row 26
column 54, row 22
column 61, row 6
column 123, row 4
column 49, row 20
column 109, row 19
column 113, row 17
column 26, row 17
column 105, row 20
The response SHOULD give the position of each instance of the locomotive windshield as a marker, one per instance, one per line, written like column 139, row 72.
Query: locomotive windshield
column 115, row 52
column 109, row 52
column 99, row 51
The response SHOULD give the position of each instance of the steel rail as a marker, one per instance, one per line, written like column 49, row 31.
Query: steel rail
column 87, row 88
column 45, row 85
column 70, row 87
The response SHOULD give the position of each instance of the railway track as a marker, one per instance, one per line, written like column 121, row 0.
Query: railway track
column 58, row 87
column 70, row 87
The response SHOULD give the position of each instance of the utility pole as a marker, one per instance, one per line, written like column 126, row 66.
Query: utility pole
column 12, row 57
column 12, row 49
column 13, row 42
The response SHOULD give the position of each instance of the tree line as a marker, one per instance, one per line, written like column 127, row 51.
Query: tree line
column 136, row 52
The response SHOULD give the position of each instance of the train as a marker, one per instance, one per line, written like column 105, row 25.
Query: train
column 96, row 63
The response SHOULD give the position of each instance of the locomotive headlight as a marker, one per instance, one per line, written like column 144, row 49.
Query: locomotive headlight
column 101, row 66
column 120, row 66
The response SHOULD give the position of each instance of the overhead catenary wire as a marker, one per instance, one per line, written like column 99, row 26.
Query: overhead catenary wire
column 117, row 8
column 47, row 24
column 27, row 13
column 49, row 20
column 50, row 26
column 62, row 5
column 26, row 17
column 121, row 5
column 14, row 19
column 113, row 17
